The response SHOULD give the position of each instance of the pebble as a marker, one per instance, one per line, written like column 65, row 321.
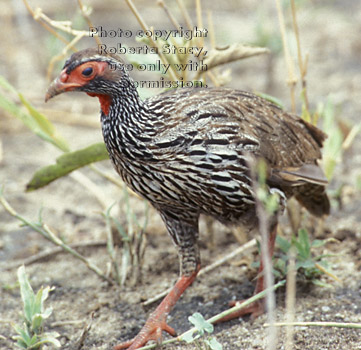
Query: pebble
column 257, row 343
column 325, row 308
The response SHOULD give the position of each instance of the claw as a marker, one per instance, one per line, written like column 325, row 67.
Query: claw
column 156, row 323
column 255, row 309
column 152, row 330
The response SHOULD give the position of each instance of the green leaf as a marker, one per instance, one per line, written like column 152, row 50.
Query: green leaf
column 67, row 163
column 45, row 294
column 319, row 283
column 280, row 268
column 49, row 337
column 200, row 323
column 213, row 344
column 272, row 203
column 27, row 294
column 37, row 322
column 308, row 264
column 33, row 341
column 332, row 148
column 48, row 311
column 38, row 305
column 283, row 244
column 34, row 120
column 305, row 115
column 6, row 85
column 318, row 243
column 121, row 230
column 45, row 126
column 23, row 338
column 303, row 247
column 188, row 337
column 270, row 98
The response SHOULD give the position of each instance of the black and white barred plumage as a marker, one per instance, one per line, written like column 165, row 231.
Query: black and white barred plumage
column 188, row 151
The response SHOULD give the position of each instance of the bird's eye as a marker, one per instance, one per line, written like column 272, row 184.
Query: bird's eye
column 87, row 71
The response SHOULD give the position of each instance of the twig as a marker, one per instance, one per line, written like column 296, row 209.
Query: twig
column 50, row 252
column 85, row 332
column 110, row 245
column 73, row 252
column 249, row 245
column 292, row 80
column 8, row 341
column 252, row 244
column 83, row 10
column 47, row 27
column 64, row 26
column 219, row 316
column 212, row 36
column 109, row 177
column 1, row 151
column 185, row 14
column 91, row 187
column 47, row 233
column 162, row 4
column 351, row 136
column 290, row 298
column 199, row 21
column 301, row 64
column 61, row 56
column 317, row 324
column 144, row 26
column 213, row 78
column 328, row 273
column 266, row 260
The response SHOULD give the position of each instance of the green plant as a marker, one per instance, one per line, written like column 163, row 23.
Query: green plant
column 308, row 264
column 40, row 125
column 31, row 333
column 337, row 142
column 132, row 238
column 42, row 228
column 332, row 150
column 199, row 337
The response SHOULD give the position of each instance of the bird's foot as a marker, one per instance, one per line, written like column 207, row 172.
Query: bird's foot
column 156, row 323
column 255, row 309
column 152, row 330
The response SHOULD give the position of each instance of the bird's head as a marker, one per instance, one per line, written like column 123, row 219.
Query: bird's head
column 92, row 72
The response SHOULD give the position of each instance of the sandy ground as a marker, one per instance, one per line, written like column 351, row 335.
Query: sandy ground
column 330, row 34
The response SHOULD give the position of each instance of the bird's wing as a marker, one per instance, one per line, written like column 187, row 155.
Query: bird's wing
column 227, row 122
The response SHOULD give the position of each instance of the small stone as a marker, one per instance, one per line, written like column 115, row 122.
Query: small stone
column 257, row 343
column 325, row 308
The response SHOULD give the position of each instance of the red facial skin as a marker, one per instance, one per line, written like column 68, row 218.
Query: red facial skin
column 75, row 79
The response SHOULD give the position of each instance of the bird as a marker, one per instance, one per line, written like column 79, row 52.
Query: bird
column 191, row 151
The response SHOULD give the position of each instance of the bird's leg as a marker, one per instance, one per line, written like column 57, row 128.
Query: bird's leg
column 156, row 323
column 185, row 237
column 256, row 308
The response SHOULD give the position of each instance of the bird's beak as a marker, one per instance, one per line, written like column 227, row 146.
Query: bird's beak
column 60, row 85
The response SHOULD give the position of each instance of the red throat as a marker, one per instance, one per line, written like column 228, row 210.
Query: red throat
column 104, row 100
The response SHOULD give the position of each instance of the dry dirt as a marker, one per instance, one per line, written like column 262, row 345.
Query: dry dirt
column 330, row 33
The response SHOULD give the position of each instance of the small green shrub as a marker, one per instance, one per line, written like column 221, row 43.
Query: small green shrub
column 308, row 264
column 202, row 327
column 31, row 333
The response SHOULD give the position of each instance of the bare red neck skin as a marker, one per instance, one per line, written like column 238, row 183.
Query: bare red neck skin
column 105, row 101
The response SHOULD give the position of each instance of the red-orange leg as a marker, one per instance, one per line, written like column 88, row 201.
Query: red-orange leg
column 257, row 308
column 156, row 323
